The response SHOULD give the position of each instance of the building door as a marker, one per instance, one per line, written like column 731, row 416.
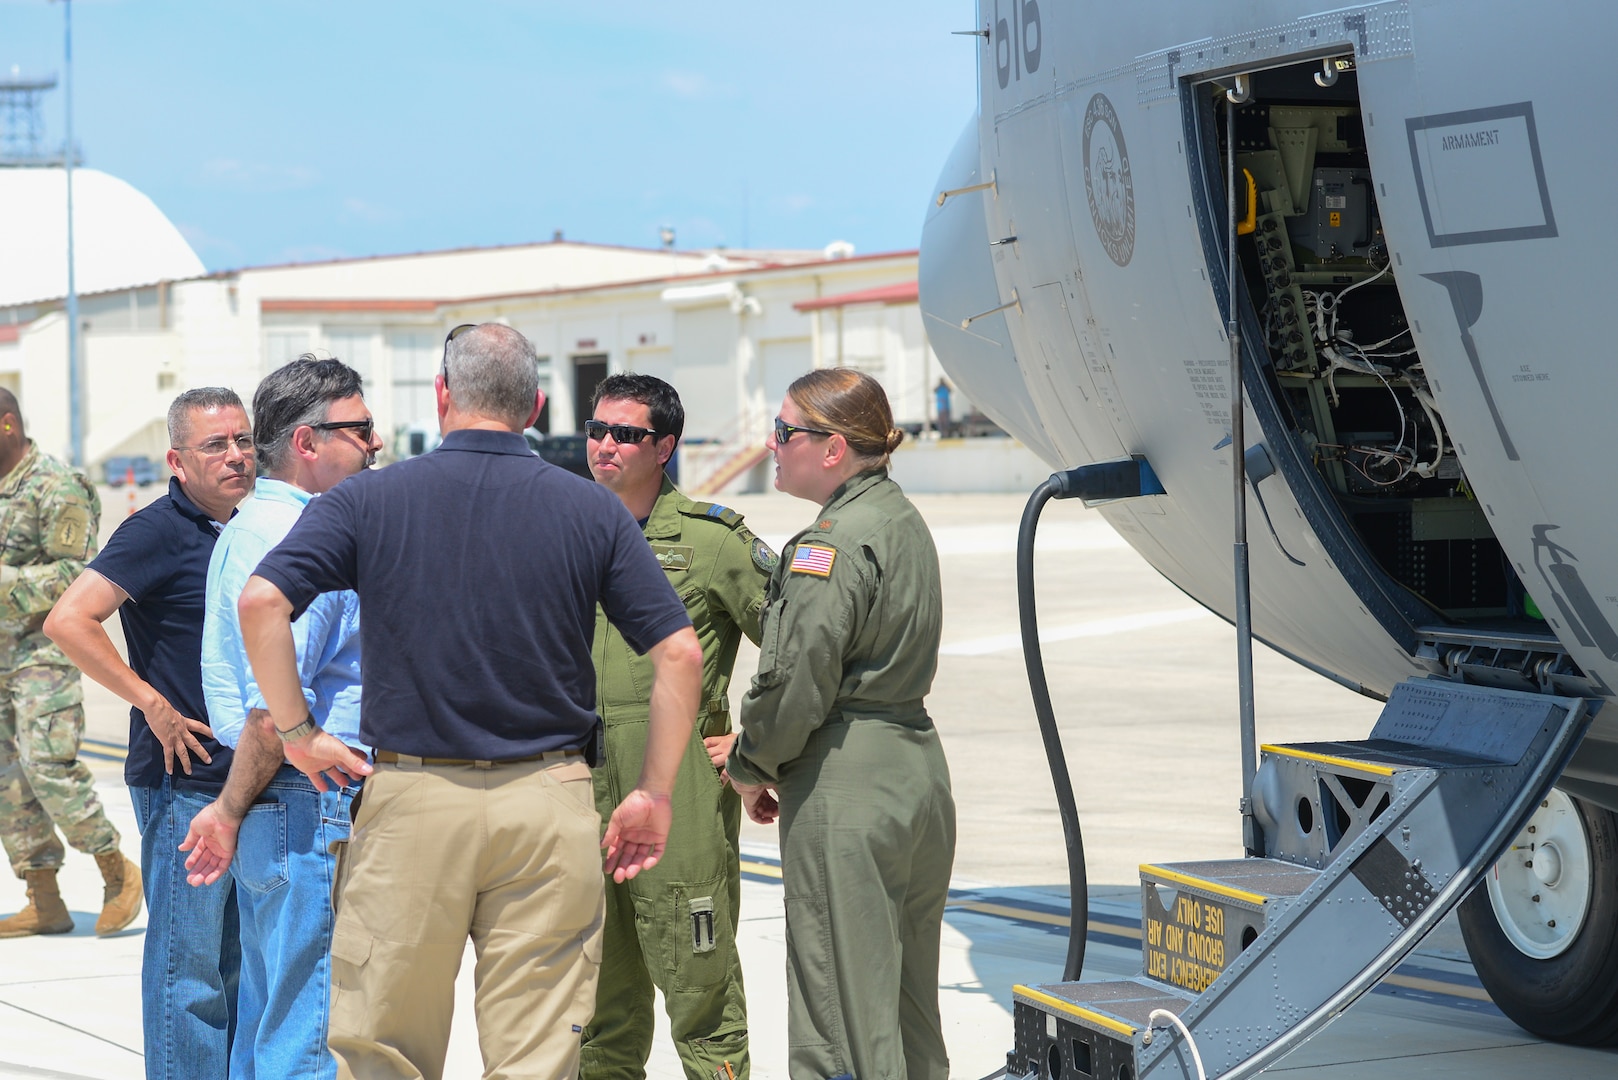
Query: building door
column 588, row 370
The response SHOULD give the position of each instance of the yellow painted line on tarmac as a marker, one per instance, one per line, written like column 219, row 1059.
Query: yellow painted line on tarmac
column 100, row 748
column 1438, row 986
column 1005, row 911
column 761, row 869
column 1048, row 918
column 1327, row 759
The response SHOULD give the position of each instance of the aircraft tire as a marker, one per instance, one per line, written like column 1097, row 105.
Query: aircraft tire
column 1571, row 996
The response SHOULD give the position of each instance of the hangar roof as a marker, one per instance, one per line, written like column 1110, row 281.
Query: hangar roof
column 121, row 238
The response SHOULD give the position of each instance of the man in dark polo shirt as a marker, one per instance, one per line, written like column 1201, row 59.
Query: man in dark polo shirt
column 479, row 568
column 153, row 572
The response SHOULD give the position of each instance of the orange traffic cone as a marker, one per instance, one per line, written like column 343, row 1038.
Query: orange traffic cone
column 129, row 479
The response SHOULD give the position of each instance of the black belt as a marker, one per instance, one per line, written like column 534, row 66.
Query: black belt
column 388, row 757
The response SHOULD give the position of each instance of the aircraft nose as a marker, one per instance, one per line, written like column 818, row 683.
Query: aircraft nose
column 956, row 279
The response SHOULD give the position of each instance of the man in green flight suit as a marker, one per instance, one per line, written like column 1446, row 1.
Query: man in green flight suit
column 673, row 926
column 48, row 519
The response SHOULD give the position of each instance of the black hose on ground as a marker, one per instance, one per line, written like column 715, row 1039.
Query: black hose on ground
column 1077, row 880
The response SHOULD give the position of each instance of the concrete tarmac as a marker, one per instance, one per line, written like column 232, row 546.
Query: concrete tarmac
column 1145, row 693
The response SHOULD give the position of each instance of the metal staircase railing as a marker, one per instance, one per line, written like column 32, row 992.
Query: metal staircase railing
column 740, row 447
column 1368, row 846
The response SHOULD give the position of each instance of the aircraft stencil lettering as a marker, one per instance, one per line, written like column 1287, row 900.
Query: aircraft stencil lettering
column 1018, row 41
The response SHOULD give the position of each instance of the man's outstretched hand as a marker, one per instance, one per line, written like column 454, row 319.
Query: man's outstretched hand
column 637, row 833
column 212, row 843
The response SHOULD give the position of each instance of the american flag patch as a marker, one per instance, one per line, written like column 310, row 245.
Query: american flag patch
column 810, row 559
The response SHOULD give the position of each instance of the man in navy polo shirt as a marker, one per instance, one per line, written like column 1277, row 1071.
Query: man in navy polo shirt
column 153, row 572
column 479, row 568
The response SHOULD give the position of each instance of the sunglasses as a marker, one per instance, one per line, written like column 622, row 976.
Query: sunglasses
column 363, row 428
column 596, row 430
column 784, row 431
column 221, row 445
column 453, row 334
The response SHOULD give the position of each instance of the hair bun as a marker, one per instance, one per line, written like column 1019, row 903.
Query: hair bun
column 895, row 437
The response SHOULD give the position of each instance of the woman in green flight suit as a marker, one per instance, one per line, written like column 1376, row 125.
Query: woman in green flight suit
column 836, row 742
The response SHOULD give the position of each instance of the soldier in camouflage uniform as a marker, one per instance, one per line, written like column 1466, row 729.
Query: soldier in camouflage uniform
column 673, row 926
column 49, row 514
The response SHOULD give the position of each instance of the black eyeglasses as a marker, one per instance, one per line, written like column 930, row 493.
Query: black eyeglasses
column 363, row 428
column 784, row 431
column 596, row 430
column 221, row 444
column 453, row 334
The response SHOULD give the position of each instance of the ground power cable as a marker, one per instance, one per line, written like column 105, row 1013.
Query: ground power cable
column 1059, row 486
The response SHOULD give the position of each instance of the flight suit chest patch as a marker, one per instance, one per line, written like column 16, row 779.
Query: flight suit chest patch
column 674, row 556
column 813, row 559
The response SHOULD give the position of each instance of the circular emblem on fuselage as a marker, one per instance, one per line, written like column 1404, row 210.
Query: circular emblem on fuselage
column 1106, row 180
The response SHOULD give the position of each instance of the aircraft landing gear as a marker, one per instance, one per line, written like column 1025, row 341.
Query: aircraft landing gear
column 1542, row 929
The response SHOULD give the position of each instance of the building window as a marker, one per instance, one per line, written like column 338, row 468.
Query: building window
column 543, row 424
column 415, row 363
column 352, row 348
column 283, row 345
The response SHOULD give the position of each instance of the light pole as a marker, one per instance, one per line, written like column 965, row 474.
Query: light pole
column 75, row 373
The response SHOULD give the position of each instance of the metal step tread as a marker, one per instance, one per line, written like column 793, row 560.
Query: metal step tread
column 1382, row 757
column 1119, row 1006
column 1250, row 881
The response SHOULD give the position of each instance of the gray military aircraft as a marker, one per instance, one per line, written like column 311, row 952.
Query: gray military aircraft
column 1391, row 214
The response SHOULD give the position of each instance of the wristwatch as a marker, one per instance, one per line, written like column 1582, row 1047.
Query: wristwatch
column 293, row 734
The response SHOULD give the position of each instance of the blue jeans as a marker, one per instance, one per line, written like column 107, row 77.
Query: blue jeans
column 192, row 958
column 284, row 869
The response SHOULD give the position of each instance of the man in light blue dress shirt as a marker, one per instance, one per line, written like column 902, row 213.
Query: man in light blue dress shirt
column 313, row 431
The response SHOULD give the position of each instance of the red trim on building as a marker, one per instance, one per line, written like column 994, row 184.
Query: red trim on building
column 906, row 292
column 743, row 274
column 429, row 306
column 10, row 332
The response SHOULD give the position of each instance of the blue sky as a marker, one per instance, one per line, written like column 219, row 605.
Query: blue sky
column 285, row 130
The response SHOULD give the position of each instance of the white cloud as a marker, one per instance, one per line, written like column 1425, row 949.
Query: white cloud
column 692, row 86
column 256, row 177
column 368, row 212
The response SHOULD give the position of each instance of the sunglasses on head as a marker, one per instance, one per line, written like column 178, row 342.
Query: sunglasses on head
column 453, row 334
column 362, row 428
column 784, row 431
column 596, row 430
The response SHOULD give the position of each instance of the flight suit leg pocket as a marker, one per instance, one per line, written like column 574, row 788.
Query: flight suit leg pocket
column 699, row 934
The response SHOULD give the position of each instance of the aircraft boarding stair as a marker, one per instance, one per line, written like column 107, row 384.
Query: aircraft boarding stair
column 743, row 458
column 1368, row 845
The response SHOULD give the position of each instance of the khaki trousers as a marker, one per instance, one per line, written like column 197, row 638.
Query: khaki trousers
column 507, row 855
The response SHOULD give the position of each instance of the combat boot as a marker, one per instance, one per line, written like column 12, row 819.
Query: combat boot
column 121, row 898
column 45, row 913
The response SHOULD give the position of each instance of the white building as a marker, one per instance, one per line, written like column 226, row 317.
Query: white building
column 730, row 329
